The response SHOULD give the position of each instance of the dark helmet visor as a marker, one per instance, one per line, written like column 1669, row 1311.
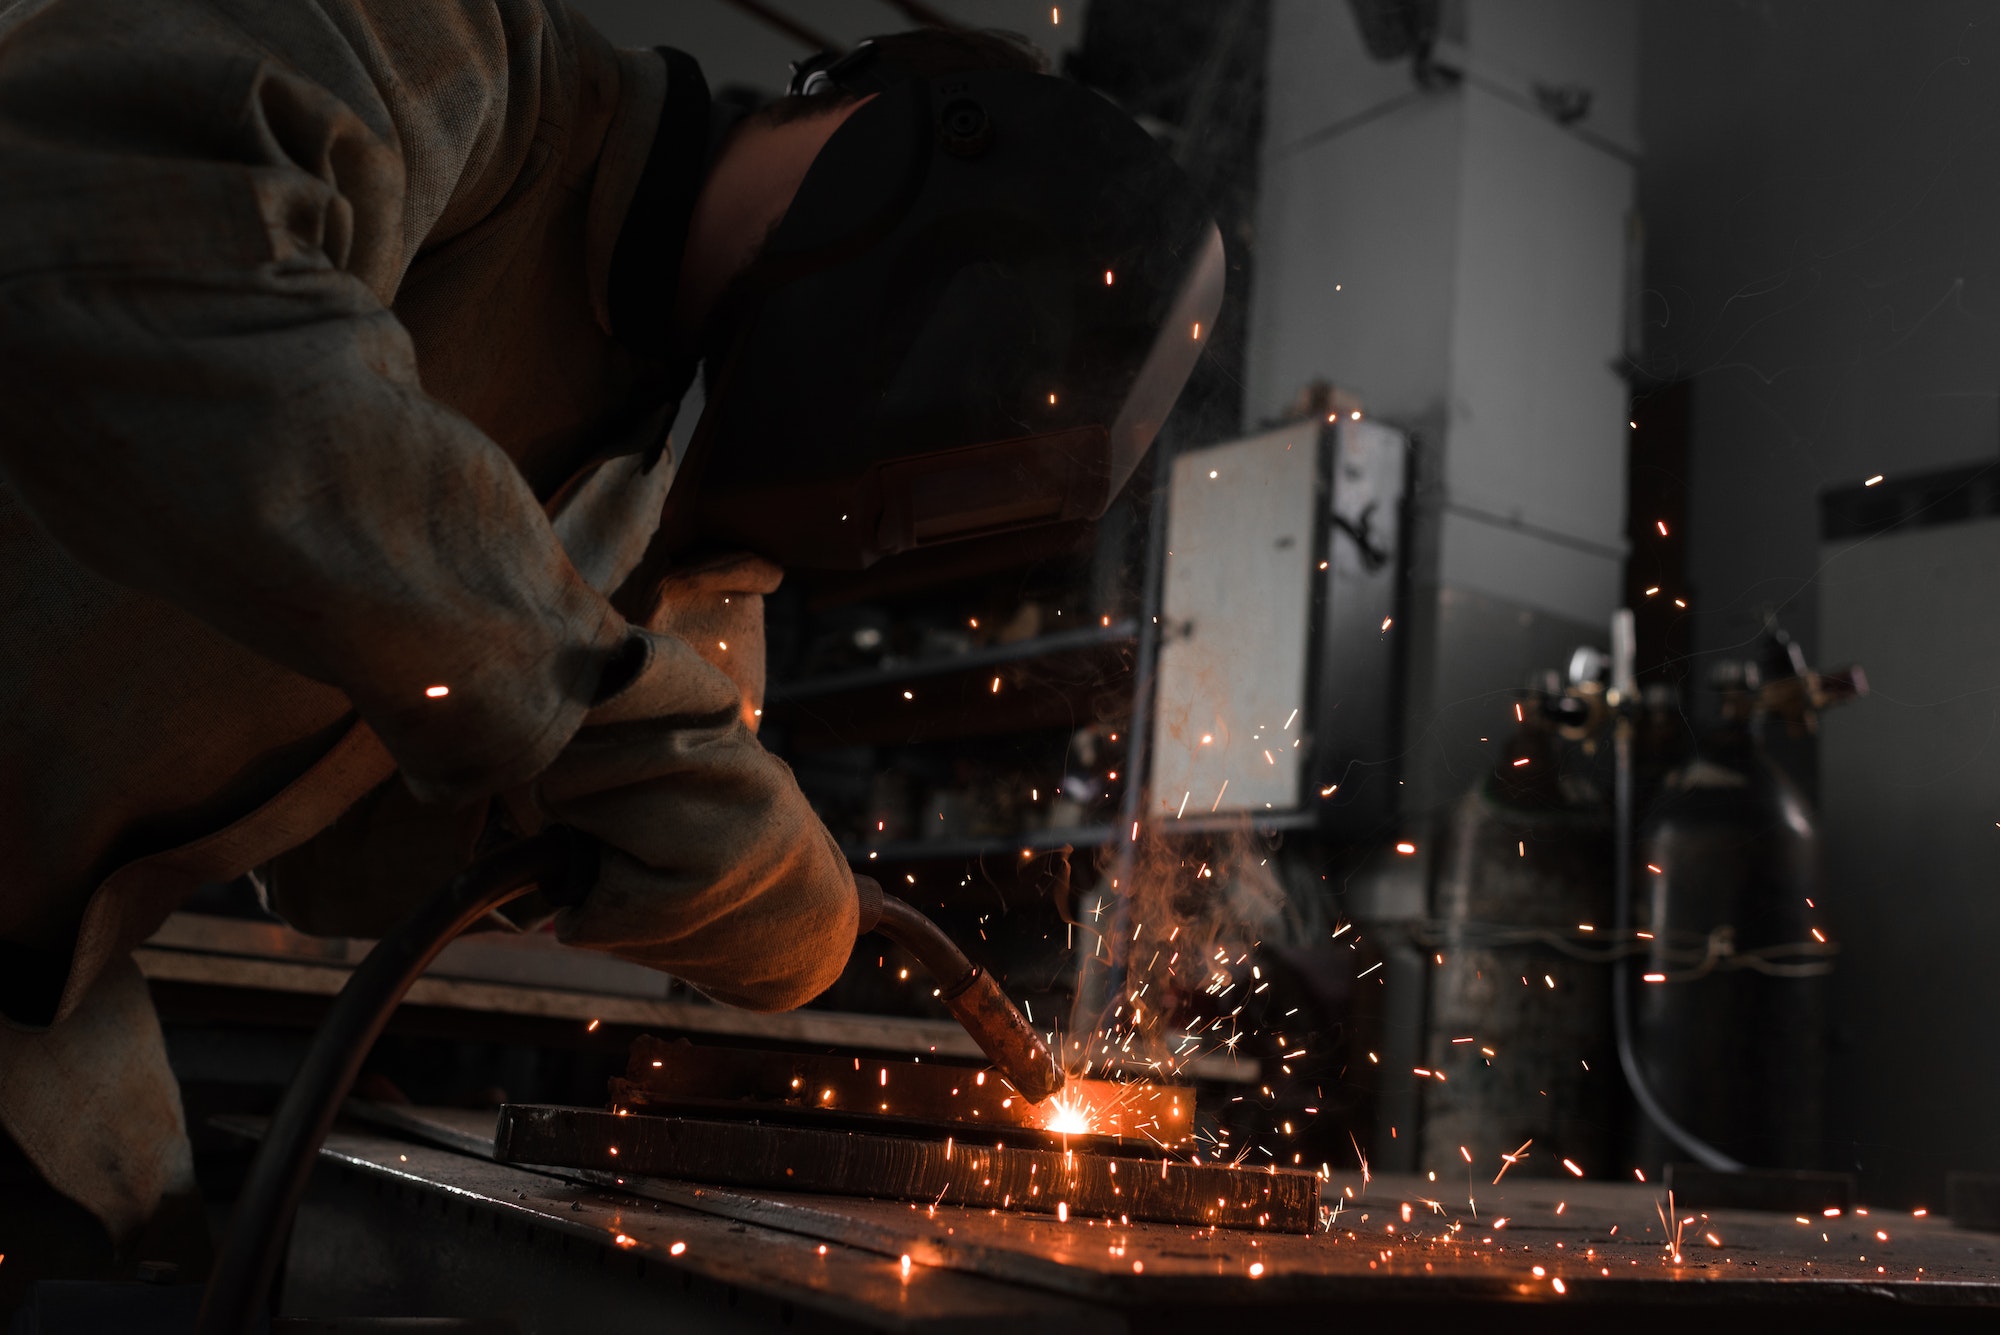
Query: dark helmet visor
column 975, row 316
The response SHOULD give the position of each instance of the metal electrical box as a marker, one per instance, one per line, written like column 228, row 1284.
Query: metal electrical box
column 1276, row 686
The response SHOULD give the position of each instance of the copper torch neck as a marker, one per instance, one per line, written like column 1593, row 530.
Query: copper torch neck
column 969, row 993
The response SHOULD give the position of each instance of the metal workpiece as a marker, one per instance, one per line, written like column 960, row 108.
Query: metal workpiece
column 949, row 1171
column 898, row 1095
column 404, row 1227
column 391, row 1228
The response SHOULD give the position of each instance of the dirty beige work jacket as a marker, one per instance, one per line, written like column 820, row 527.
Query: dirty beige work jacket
column 304, row 352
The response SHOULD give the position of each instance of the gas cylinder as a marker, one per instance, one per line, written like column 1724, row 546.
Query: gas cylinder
column 1518, row 1049
column 1730, row 1008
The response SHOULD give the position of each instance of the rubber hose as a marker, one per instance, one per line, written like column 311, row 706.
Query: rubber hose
column 1690, row 1144
column 561, row 862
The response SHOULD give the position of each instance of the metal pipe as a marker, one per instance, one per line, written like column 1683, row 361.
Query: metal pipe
column 561, row 863
column 773, row 17
column 1145, row 666
column 1623, row 687
column 1097, row 982
column 968, row 992
column 923, row 15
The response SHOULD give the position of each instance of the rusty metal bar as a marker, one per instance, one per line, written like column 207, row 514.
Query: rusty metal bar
column 1069, row 1183
column 678, row 1076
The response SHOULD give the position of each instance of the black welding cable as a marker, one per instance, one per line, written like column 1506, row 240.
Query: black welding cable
column 1690, row 1144
column 561, row 863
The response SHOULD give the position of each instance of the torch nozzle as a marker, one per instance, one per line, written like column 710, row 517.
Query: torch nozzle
column 968, row 992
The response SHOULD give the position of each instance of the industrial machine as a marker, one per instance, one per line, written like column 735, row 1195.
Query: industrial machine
column 1288, row 542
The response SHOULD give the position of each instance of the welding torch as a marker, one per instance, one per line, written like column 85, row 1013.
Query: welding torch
column 974, row 999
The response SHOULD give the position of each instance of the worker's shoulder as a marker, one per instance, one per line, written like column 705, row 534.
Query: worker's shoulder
column 483, row 98
column 460, row 61
column 476, row 53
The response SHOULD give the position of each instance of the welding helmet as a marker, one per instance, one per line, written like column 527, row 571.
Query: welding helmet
column 975, row 315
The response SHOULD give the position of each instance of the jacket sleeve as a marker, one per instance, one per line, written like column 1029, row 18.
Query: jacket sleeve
column 715, row 868
column 208, row 207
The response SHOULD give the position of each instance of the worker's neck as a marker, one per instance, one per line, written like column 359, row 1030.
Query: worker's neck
column 743, row 199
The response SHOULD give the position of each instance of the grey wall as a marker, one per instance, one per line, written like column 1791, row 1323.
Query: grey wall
column 1822, row 207
column 1910, row 791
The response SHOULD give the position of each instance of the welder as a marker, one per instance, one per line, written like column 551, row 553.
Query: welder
column 339, row 346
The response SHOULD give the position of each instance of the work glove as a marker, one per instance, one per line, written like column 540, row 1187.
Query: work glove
column 715, row 869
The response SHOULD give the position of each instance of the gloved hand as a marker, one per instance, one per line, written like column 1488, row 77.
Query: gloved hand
column 715, row 867
column 717, row 608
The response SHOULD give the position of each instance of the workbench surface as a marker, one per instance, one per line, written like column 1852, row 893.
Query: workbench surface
column 1524, row 1254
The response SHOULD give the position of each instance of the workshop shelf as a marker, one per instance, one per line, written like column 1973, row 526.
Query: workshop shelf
column 976, row 660
column 1074, row 837
column 960, row 850
column 1052, row 681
